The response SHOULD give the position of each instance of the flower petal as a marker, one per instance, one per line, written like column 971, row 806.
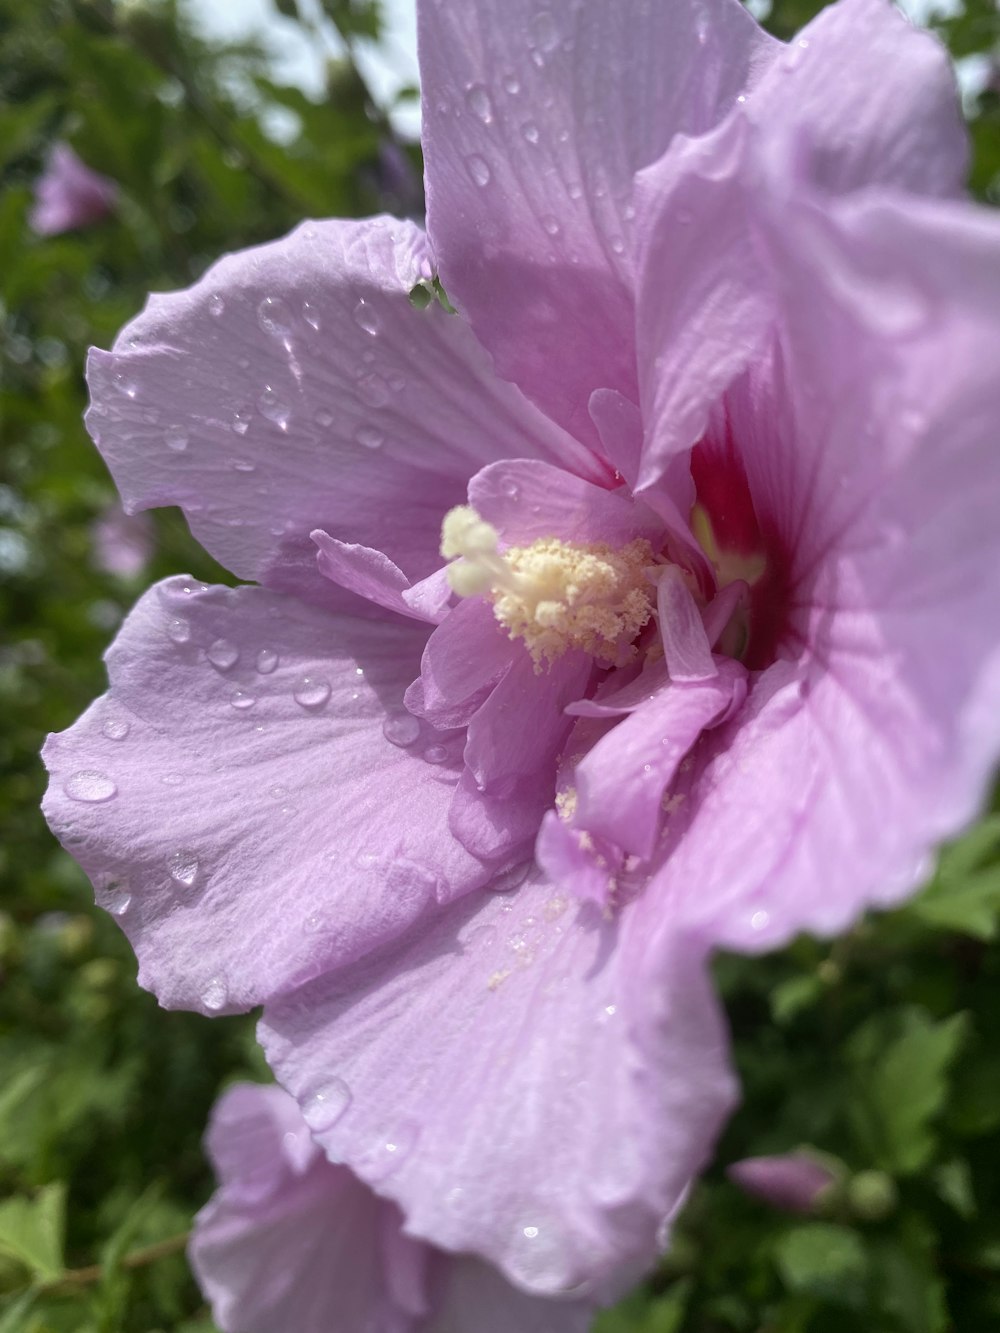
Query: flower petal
column 372, row 575
column 518, row 1085
column 295, row 387
column 529, row 170
column 238, row 725
column 881, row 469
column 292, row 1242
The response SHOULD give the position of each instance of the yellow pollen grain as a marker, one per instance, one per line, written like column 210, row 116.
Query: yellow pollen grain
column 566, row 803
column 554, row 595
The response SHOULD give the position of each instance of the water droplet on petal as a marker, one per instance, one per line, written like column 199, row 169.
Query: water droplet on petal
column 177, row 438
column 311, row 315
column 223, row 654
column 366, row 317
column 373, row 389
column 241, row 422
column 183, row 866
column 510, row 879
column 312, row 691
column 543, row 32
column 369, row 437
column 116, row 728
column 274, row 316
column 477, row 99
column 216, row 305
column 178, row 630
column 215, row 995
column 323, row 1108
column 90, row 786
column 512, row 84
column 531, row 132
column 759, row 920
column 323, row 417
column 243, row 465
column 125, row 385
column 479, row 169
column 267, row 660
column 436, row 754
column 401, row 729
column 242, row 700
column 389, row 1150
column 272, row 407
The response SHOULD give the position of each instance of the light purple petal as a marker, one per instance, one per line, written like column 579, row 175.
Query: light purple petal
column 239, row 725
column 464, row 659
column 291, row 1243
column 526, row 499
column 295, row 387
column 279, row 1248
column 498, row 1068
column 373, row 576
column 535, row 121
column 860, row 98
column 123, row 543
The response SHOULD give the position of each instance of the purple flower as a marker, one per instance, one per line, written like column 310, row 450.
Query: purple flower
column 68, row 194
column 710, row 451
column 792, row 1181
column 123, row 543
column 291, row 1242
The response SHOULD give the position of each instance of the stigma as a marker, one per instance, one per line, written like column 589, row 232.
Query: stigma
column 554, row 595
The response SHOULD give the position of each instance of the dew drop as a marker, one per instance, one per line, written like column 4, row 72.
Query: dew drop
column 389, row 1150
column 311, row 315
column 223, row 654
column 240, row 423
column 369, row 437
column 267, row 660
column 118, row 903
column 312, row 691
column 401, row 729
column 178, row 630
column 366, row 317
column 172, row 780
column 478, row 169
column 323, row 1109
column 272, row 407
column 759, row 920
column 183, row 866
column 551, row 226
column 90, row 786
column 215, row 995
column 477, row 99
column 177, row 439
column 323, row 417
column 125, row 385
column 509, row 488
column 243, row 465
column 216, row 305
column 435, row 754
column 242, row 700
column 373, row 389
column 531, row 132
column 116, row 728
column 274, row 317
column 509, row 879
column 512, row 84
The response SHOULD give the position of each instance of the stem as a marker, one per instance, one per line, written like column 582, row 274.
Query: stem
column 149, row 1254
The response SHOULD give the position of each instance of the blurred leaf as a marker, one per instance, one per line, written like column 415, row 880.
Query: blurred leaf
column 901, row 1084
column 31, row 1230
column 824, row 1259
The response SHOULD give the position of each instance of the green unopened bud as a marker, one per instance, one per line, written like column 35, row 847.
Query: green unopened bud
column 872, row 1195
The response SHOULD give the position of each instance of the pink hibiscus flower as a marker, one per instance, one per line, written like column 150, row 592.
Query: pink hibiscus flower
column 709, row 449
column 68, row 194
column 291, row 1242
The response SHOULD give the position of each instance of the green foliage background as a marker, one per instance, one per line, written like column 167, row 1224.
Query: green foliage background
column 880, row 1051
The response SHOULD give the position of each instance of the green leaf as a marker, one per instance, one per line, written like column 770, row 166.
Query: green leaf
column 902, row 1083
column 31, row 1230
column 824, row 1259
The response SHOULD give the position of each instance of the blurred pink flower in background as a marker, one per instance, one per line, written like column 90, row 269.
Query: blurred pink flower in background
column 68, row 194
column 792, row 1181
column 710, row 448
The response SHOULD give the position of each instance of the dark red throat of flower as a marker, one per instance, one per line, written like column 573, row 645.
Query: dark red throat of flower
column 742, row 543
